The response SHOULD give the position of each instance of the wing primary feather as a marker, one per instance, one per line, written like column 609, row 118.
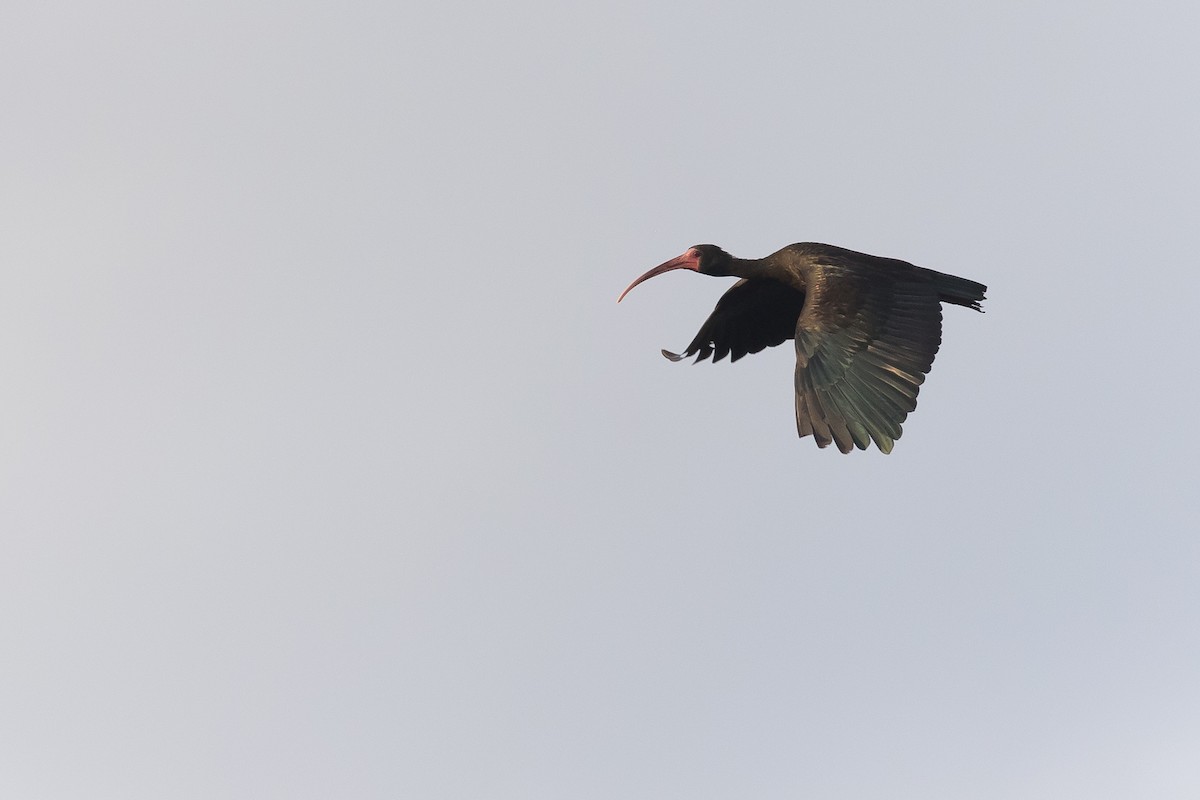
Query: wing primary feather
column 803, row 416
column 816, row 416
column 862, row 437
column 885, row 417
column 847, row 408
column 869, row 416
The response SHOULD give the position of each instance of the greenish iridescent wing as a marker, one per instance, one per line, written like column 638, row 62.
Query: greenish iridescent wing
column 864, row 342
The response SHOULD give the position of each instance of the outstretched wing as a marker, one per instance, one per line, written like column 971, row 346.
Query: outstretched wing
column 864, row 342
column 753, row 315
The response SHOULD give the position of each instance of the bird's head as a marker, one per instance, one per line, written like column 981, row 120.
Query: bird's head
column 707, row 259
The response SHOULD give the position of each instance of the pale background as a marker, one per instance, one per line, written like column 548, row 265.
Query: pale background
column 330, row 468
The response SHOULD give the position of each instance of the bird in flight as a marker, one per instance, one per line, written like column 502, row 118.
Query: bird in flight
column 866, row 330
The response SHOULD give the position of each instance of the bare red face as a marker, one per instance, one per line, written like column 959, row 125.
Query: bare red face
column 689, row 260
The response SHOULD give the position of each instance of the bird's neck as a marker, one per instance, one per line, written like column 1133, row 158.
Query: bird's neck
column 746, row 267
column 761, row 268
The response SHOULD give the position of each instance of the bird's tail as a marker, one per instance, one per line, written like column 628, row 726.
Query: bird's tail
column 959, row 291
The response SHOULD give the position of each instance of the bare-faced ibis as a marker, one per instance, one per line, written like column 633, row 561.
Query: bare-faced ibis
column 866, row 330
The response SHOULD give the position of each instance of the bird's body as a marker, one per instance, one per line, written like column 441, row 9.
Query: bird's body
column 866, row 329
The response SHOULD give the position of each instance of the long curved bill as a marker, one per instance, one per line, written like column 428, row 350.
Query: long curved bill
column 689, row 260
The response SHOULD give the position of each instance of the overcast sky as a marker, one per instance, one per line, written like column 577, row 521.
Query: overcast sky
column 329, row 467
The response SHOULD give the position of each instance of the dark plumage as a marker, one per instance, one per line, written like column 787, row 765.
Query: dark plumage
column 866, row 330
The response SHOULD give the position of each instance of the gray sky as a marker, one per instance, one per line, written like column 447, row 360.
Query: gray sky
column 330, row 467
